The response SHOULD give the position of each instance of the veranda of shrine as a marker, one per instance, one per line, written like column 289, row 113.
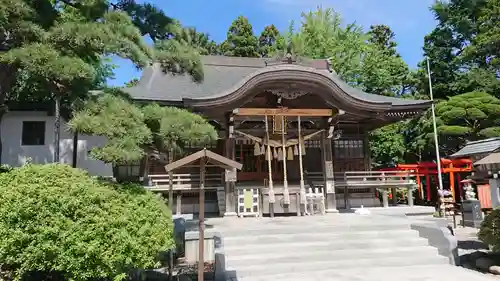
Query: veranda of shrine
column 298, row 129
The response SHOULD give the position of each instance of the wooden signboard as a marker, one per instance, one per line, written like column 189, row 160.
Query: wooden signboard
column 283, row 112
column 329, row 169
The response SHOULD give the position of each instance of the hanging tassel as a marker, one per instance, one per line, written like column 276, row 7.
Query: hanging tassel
column 275, row 153
column 267, row 155
column 280, row 154
column 256, row 149
column 290, row 154
column 263, row 149
column 295, row 150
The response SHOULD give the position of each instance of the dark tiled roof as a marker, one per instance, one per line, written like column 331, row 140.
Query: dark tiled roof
column 478, row 147
column 222, row 73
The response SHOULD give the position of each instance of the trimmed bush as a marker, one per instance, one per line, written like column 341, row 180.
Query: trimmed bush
column 489, row 232
column 57, row 220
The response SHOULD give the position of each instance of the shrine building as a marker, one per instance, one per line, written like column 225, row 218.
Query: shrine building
column 293, row 123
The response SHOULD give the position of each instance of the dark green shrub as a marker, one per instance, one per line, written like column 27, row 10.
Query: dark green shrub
column 56, row 219
column 489, row 232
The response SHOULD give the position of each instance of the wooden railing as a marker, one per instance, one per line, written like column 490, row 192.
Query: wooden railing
column 366, row 179
column 161, row 182
column 363, row 179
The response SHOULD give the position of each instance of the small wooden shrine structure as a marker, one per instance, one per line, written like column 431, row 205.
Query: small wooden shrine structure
column 202, row 159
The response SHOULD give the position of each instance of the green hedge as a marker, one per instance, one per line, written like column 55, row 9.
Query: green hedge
column 489, row 232
column 57, row 220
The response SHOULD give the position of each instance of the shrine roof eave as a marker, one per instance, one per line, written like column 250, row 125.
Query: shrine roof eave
column 230, row 82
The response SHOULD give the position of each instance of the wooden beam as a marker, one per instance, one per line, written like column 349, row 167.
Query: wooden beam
column 284, row 112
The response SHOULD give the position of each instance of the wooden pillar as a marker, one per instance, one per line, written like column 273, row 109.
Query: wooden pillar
column 428, row 186
column 201, row 240
column 229, row 152
column 178, row 204
column 419, row 186
column 328, row 175
column 394, row 196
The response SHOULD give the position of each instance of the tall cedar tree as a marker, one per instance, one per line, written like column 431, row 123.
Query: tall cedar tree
column 241, row 41
column 267, row 41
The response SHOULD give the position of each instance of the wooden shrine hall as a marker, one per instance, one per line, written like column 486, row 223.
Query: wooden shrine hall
column 300, row 132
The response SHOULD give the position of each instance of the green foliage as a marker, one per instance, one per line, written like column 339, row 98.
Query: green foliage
column 462, row 118
column 57, row 220
column 267, row 41
column 460, row 48
column 365, row 60
column 485, row 44
column 387, row 145
column 240, row 41
column 199, row 41
column 121, row 122
column 472, row 116
column 174, row 128
column 150, row 20
column 133, row 131
column 489, row 232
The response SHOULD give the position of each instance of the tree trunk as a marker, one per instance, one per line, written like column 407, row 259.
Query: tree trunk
column 75, row 150
column 57, row 128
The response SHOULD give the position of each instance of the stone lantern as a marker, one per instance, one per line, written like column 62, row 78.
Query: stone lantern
column 471, row 207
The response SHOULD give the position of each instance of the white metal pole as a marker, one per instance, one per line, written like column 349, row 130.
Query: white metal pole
column 436, row 143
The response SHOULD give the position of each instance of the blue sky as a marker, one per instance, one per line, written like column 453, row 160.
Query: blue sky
column 411, row 20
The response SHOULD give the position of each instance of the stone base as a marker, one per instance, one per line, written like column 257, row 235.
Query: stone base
column 332, row 211
column 230, row 214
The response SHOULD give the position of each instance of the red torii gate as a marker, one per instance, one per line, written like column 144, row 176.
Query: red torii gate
column 448, row 166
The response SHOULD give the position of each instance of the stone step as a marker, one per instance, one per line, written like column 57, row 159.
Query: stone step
column 310, row 228
column 294, row 237
column 437, row 272
column 316, row 245
column 274, row 258
column 311, row 268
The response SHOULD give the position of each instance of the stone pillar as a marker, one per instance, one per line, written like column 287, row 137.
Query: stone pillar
column 385, row 198
column 328, row 174
column 494, row 191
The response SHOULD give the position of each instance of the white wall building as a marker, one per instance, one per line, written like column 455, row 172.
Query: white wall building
column 30, row 135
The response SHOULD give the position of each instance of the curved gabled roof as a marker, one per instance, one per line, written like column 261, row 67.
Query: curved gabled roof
column 229, row 78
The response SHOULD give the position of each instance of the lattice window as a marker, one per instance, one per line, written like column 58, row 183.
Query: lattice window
column 348, row 148
column 312, row 143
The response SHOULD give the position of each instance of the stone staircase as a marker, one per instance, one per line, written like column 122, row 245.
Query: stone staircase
column 221, row 200
column 332, row 247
